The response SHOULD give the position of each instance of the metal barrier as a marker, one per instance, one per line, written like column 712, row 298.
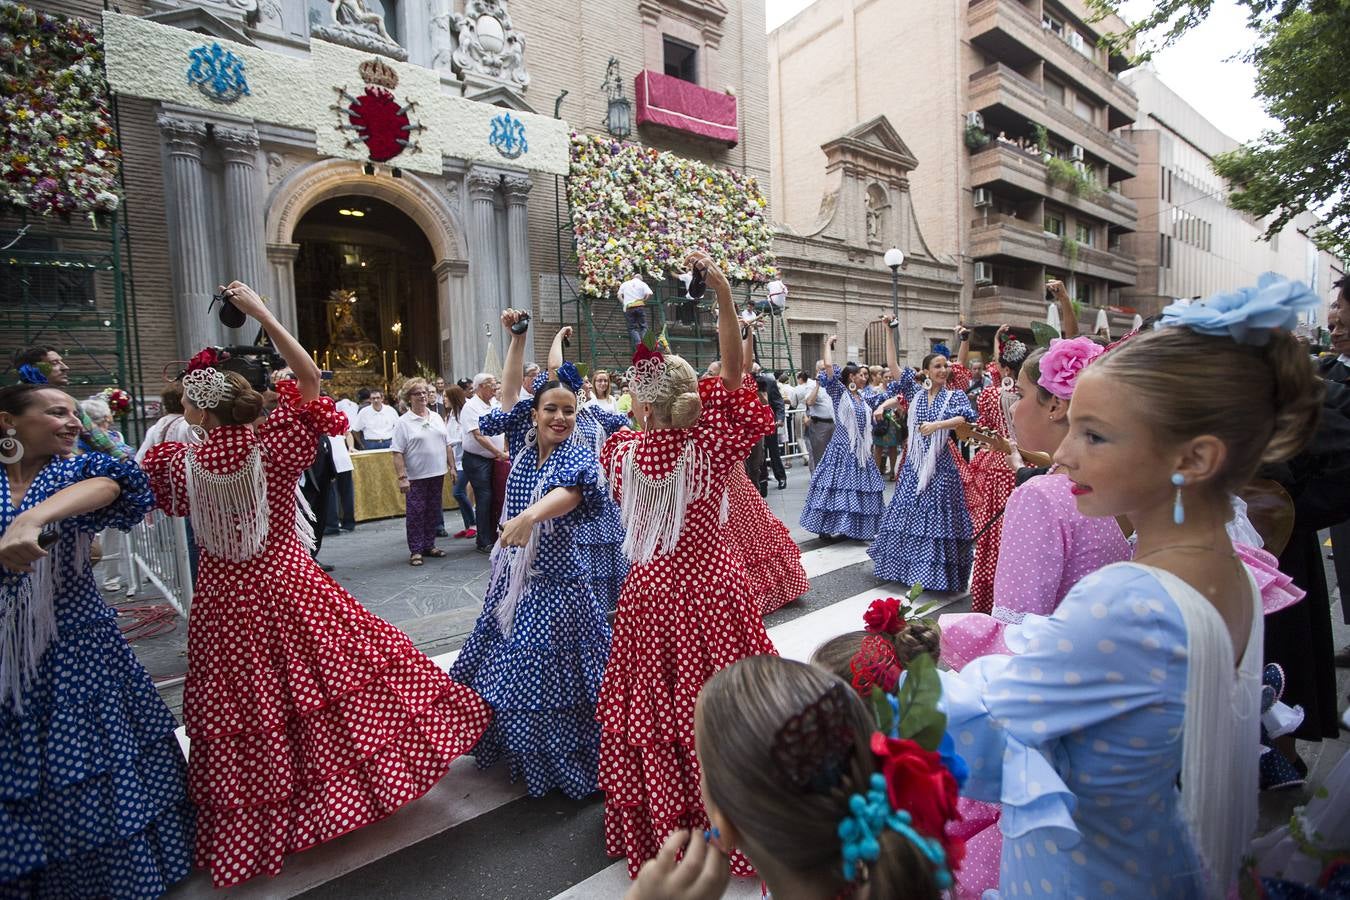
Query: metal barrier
column 795, row 445
column 158, row 555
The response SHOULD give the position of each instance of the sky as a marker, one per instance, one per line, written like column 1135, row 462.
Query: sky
column 1199, row 67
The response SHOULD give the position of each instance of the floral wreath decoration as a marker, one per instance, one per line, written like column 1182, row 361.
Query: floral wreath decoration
column 915, row 792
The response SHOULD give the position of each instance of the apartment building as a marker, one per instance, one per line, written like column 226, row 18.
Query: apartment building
column 1189, row 242
column 1013, row 114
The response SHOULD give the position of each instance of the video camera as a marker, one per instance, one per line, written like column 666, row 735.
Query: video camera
column 256, row 364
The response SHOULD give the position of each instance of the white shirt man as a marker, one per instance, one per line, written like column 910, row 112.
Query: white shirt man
column 474, row 409
column 777, row 292
column 481, row 455
column 633, row 295
column 376, row 423
column 527, row 381
column 347, row 406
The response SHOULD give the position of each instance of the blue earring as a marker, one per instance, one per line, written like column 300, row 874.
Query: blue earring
column 1178, row 512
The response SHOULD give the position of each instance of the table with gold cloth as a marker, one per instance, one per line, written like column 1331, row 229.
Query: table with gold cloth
column 375, row 486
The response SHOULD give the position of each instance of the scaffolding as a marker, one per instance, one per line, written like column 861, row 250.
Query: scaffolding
column 689, row 325
column 68, row 286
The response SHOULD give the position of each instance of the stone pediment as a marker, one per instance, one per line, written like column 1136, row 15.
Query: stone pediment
column 700, row 10
column 194, row 18
column 499, row 95
column 875, row 144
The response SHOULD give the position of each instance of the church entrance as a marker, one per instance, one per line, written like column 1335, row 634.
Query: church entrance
column 366, row 293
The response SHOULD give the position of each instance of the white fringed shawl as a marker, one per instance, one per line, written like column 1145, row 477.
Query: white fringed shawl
column 925, row 455
column 1220, row 733
column 229, row 511
column 28, row 617
column 859, row 436
column 653, row 509
column 515, row 565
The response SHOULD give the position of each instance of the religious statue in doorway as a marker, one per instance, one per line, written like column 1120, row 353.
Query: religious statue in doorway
column 356, row 26
column 873, row 217
column 347, row 340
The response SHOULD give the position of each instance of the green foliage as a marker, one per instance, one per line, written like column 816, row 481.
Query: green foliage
column 1303, row 82
column 1042, row 138
column 920, row 718
column 1080, row 184
column 1070, row 248
column 975, row 138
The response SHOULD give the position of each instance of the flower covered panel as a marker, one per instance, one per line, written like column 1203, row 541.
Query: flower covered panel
column 636, row 207
column 58, row 153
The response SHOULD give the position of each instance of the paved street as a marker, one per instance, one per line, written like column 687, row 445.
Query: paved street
column 476, row 835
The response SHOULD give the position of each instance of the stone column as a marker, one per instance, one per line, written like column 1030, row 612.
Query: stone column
column 281, row 260
column 517, row 189
column 189, row 236
column 488, row 295
column 243, row 215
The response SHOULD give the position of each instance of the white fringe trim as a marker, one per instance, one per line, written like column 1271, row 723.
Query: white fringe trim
column 859, row 439
column 28, row 618
column 926, row 454
column 653, row 509
column 229, row 512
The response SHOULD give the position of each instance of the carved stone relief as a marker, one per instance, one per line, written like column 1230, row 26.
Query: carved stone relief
column 355, row 26
column 488, row 46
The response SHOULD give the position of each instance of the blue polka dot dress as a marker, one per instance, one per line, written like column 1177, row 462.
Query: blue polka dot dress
column 93, row 792
column 845, row 496
column 542, row 675
column 926, row 536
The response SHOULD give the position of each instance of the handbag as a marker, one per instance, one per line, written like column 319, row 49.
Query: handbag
column 882, row 428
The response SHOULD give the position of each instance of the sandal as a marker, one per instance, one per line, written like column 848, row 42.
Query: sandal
column 415, row 559
column 434, row 553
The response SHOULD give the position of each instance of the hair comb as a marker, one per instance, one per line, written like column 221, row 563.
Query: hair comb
column 811, row 747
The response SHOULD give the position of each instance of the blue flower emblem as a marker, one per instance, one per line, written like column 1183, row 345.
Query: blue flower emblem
column 508, row 136
column 1248, row 315
column 217, row 72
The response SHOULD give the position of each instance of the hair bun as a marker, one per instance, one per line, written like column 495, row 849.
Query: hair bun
column 685, row 410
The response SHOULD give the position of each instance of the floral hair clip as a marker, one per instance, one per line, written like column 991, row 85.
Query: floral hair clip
column 33, row 374
column 941, row 350
column 570, row 377
column 875, row 665
column 885, row 616
column 647, row 375
column 1249, row 315
column 205, row 388
column 871, row 813
column 1064, row 362
column 206, row 358
column 1014, row 352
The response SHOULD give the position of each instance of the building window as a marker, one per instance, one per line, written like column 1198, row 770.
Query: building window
column 1053, row 25
column 1083, row 109
column 1085, row 235
column 812, row 345
column 680, row 60
column 1055, row 91
column 1054, row 224
column 1082, row 292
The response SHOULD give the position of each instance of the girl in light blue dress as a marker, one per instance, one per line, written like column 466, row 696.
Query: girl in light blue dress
column 844, row 497
column 1114, row 738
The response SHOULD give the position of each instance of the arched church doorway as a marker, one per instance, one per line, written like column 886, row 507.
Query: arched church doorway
column 366, row 293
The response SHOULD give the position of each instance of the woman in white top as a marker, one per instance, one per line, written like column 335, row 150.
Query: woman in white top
column 170, row 427
column 455, row 398
column 422, row 455
column 602, row 383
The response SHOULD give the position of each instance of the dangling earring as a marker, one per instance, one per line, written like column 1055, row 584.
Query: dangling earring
column 927, row 384
column 11, row 451
column 532, row 436
column 1008, row 383
column 198, row 433
column 1178, row 511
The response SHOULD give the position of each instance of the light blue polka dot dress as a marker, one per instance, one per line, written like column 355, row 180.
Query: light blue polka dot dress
column 845, row 497
column 1079, row 737
column 543, row 678
column 927, row 537
column 93, row 794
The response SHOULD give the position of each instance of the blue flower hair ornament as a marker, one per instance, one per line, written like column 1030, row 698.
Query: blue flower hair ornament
column 870, row 814
column 568, row 375
column 31, row 374
column 941, row 350
column 1249, row 315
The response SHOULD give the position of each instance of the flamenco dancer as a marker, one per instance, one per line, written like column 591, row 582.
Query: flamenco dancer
column 600, row 539
column 93, row 788
column 925, row 535
column 845, row 494
column 686, row 610
column 1147, row 670
column 771, row 557
column 990, row 479
column 309, row 716
column 539, row 648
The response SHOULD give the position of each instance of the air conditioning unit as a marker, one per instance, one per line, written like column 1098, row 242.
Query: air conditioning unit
column 974, row 119
column 1076, row 152
column 983, row 197
column 1076, row 42
column 984, row 273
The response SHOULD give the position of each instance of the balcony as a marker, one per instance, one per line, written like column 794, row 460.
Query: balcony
column 685, row 107
column 1009, row 31
column 999, row 85
column 1000, row 303
column 1000, row 163
column 1018, row 240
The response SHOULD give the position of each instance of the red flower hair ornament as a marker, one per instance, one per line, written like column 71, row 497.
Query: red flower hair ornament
column 919, row 782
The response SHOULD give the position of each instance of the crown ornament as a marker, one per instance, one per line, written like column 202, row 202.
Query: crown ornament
column 378, row 73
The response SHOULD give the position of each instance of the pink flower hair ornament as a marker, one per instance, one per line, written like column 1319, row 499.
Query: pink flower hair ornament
column 1064, row 362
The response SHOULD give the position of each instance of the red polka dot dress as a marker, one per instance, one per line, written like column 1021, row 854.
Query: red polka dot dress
column 309, row 716
column 772, row 559
column 988, row 485
column 683, row 616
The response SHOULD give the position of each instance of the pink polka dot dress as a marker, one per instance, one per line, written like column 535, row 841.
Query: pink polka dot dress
column 683, row 616
column 309, row 716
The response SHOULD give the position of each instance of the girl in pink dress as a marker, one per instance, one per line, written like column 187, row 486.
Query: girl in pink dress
column 687, row 609
column 309, row 716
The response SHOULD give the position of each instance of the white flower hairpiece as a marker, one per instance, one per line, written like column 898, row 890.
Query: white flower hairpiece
column 205, row 387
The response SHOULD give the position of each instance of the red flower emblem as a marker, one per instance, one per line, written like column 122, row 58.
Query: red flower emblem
column 884, row 617
column 644, row 352
column 382, row 124
column 917, row 781
column 205, row 359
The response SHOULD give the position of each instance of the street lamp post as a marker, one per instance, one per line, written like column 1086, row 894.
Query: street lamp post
column 894, row 259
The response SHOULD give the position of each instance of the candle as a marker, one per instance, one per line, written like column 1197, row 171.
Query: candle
column 315, row 354
column 396, row 370
column 328, row 359
column 384, row 364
